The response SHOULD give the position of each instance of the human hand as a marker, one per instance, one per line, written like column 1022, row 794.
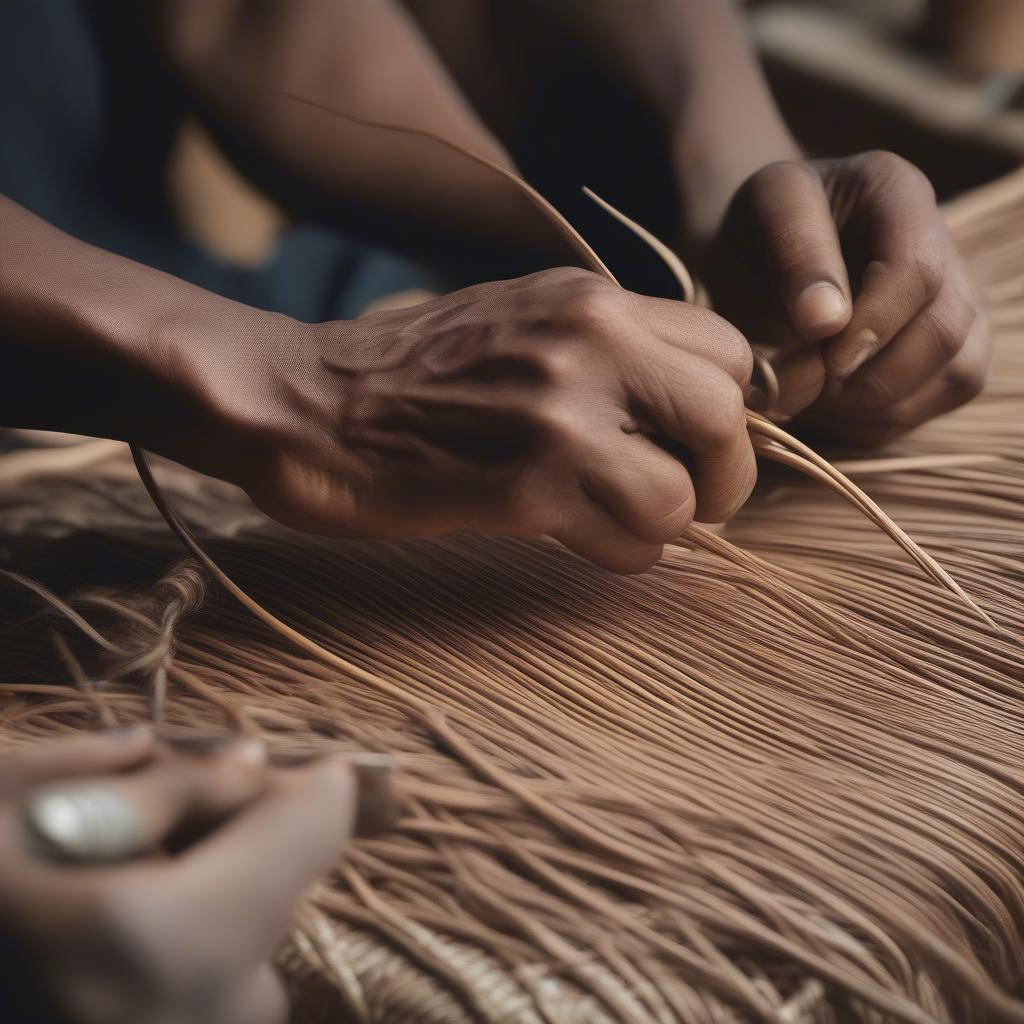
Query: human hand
column 553, row 404
column 843, row 272
column 166, row 938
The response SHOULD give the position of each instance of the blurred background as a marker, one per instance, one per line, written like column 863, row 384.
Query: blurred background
column 937, row 81
column 940, row 82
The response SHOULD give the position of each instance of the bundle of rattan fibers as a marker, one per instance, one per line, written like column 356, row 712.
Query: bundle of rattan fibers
column 776, row 779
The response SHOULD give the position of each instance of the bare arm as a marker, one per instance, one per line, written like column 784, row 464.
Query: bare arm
column 368, row 58
column 691, row 61
column 91, row 343
column 513, row 407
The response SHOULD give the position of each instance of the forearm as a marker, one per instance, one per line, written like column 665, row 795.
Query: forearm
column 691, row 61
column 726, row 124
column 364, row 57
column 95, row 344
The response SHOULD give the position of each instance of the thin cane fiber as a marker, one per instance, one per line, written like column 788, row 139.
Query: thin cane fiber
column 775, row 779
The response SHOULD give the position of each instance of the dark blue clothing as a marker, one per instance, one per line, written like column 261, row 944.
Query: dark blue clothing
column 89, row 114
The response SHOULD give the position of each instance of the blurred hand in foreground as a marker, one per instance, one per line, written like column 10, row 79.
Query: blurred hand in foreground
column 162, row 939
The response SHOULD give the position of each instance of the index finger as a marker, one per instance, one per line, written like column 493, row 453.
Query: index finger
column 695, row 404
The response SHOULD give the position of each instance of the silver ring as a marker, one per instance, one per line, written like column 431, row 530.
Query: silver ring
column 84, row 823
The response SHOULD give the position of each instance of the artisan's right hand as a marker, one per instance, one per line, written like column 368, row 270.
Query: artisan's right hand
column 554, row 404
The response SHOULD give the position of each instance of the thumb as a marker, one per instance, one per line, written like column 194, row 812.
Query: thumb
column 798, row 244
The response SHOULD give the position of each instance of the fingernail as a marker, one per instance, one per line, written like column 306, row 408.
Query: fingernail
column 376, row 805
column 854, row 355
column 818, row 305
column 134, row 733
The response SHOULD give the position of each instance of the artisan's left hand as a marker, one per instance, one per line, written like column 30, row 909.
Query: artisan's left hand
column 844, row 273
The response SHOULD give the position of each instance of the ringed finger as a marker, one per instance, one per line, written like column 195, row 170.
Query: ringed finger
column 114, row 817
column 251, row 872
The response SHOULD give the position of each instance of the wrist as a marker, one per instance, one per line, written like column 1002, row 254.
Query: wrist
column 92, row 343
column 86, row 367
column 712, row 164
column 226, row 380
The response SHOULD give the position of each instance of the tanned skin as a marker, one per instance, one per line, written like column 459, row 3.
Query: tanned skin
column 842, row 270
column 165, row 939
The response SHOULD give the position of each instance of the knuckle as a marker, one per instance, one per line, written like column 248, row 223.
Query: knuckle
column 565, row 275
column 729, row 348
column 772, row 175
column 228, row 779
column 557, row 365
column 737, row 356
column 948, row 339
column 950, row 322
column 886, row 164
column 874, row 274
column 920, row 181
column 898, row 181
column 725, row 414
column 884, row 160
column 595, row 308
column 929, row 267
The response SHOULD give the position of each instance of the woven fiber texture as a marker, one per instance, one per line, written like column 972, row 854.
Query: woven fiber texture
column 776, row 779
